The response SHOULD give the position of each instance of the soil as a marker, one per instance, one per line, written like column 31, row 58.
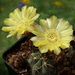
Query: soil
column 18, row 59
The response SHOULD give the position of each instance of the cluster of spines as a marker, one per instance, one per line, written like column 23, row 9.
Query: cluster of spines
column 41, row 65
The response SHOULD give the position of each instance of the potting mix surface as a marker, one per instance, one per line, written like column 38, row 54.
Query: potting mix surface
column 18, row 59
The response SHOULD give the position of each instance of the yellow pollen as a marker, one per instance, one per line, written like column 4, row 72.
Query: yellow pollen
column 52, row 35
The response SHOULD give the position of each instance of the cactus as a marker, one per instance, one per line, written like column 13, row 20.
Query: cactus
column 41, row 64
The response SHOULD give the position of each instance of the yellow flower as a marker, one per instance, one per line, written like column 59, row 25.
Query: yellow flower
column 19, row 21
column 25, row 1
column 52, row 34
column 57, row 3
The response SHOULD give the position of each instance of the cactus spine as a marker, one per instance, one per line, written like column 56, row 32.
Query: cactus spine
column 41, row 64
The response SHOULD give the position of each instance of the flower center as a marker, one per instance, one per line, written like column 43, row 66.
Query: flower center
column 22, row 25
column 52, row 35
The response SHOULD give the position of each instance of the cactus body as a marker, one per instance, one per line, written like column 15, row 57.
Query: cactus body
column 41, row 65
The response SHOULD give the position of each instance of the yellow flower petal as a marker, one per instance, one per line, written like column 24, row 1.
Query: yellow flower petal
column 37, row 38
column 53, row 21
column 51, row 47
column 24, row 11
column 33, row 13
column 49, row 23
column 9, row 21
column 67, row 39
column 29, row 11
column 30, row 28
column 7, row 28
column 66, row 32
column 19, row 35
column 12, row 16
column 11, row 34
column 35, row 17
column 57, row 50
column 36, row 41
column 62, row 25
column 44, row 24
column 17, row 13
column 43, row 49
column 65, row 45
column 38, row 28
column 37, row 33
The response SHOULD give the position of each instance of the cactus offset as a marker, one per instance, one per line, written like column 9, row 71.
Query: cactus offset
column 41, row 64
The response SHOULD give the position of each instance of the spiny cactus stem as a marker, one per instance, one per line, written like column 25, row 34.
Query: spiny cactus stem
column 32, row 54
column 44, row 55
column 36, row 69
column 43, row 58
column 45, row 64
column 35, row 58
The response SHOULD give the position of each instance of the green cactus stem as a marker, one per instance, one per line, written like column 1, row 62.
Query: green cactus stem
column 41, row 64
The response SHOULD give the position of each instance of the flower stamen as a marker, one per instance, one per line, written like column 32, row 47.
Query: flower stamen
column 52, row 35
